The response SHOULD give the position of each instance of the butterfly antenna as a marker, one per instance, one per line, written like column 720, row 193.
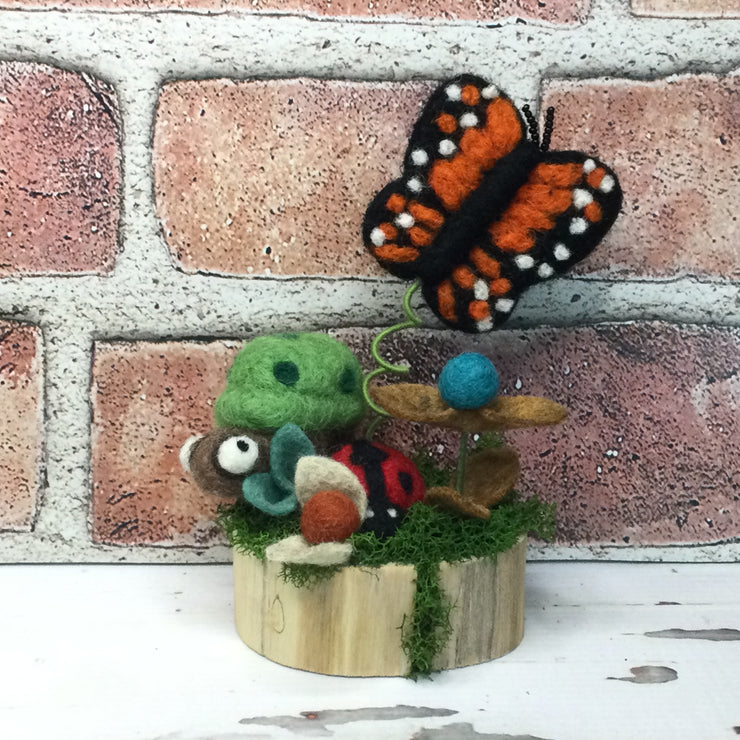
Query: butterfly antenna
column 547, row 135
column 534, row 129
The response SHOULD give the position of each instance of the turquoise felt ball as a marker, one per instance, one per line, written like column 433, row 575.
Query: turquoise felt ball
column 468, row 381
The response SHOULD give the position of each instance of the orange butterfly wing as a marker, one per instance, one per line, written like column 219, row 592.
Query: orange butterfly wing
column 480, row 213
column 553, row 221
column 465, row 128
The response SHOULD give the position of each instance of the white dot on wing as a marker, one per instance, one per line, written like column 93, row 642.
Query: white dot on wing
column 377, row 237
column 504, row 305
column 524, row 261
column 480, row 290
column 581, row 198
column 419, row 157
column 578, row 225
column 589, row 166
column 468, row 120
column 545, row 270
column 453, row 92
column 561, row 252
column 404, row 220
column 607, row 184
column 485, row 325
column 414, row 184
column 490, row 92
column 447, row 147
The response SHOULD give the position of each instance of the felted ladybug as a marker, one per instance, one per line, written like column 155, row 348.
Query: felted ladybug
column 391, row 480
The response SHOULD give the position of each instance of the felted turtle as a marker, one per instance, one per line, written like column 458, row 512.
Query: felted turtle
column 287, row 395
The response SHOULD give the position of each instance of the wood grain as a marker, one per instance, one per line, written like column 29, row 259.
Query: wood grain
column 351, row 624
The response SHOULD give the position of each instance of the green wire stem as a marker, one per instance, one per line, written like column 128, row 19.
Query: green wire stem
column 462, row 460
column 412, row 321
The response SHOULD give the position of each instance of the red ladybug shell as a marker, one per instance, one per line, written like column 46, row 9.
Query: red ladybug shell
column 391, row 481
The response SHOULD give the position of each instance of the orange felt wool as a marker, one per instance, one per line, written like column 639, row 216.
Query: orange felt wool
column 470, row 95
column 396, row 203
column 329, row 516
column 592, row 212
column 535, row 208
column 454, row 179
column 426, row 216
column 500, row 287
column 595, row 177
column 395, row 253
column 446, row 300
column 420, row 237
column 564, row 175
column 464, row 277
column 389, row 230
column 446, row 123
column 478, row 310
column 503, row 126
column 487, row 265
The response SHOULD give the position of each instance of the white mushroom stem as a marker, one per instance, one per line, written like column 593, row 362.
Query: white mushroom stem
column 295, row 549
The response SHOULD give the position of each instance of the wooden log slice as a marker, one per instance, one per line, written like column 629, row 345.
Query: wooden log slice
column 350, row 624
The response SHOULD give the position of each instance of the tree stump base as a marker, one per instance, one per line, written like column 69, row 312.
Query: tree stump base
column 350, row 625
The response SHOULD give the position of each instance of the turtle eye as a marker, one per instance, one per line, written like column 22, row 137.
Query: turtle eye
column 237, row 455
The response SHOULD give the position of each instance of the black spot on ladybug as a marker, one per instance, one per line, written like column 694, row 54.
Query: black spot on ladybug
column 406, row 481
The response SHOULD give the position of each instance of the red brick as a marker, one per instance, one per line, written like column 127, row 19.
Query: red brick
column 553, row 11
column 59, row 172
column 675, row 145
column 21, row 424
column 688, row 8
column 650, row 454
column 148, row 398
column 288, row 165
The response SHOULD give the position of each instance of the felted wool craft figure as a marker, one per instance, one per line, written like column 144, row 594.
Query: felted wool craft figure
column 220, row 460
column 284, row 392
column 333, row 503
column 466, row 400
column 482, row 210
column 259, row 467
column 311, row 380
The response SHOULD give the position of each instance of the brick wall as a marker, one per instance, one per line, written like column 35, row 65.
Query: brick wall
column 178, row 176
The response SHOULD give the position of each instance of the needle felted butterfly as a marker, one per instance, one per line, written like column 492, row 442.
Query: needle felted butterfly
column 481, row 211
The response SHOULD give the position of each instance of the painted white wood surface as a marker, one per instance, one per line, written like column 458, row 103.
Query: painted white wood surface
column 97, row 652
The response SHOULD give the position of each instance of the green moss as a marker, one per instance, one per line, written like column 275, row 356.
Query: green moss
column 426, row 537
column 304, row 575
column 425, row 632
column 250, row 530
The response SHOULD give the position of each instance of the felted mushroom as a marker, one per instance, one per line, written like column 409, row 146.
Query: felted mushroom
column 487, row 477
column 334, row 503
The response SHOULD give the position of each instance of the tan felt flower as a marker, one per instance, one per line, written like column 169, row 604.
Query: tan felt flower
column 415, row 402
column 489, row 476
